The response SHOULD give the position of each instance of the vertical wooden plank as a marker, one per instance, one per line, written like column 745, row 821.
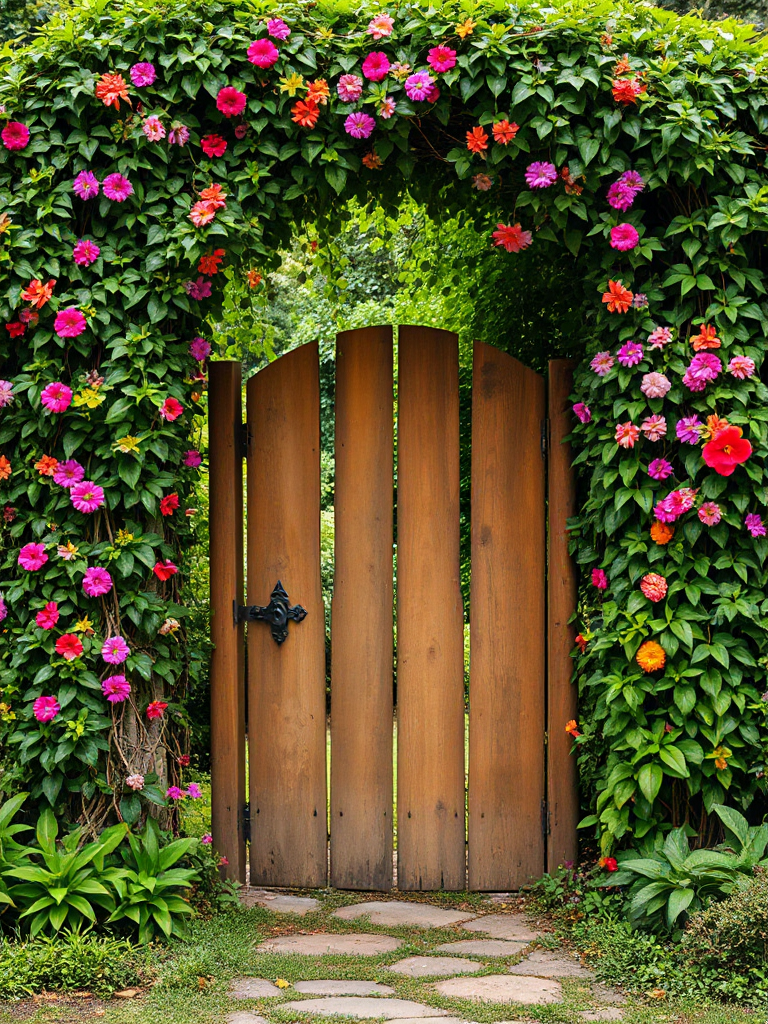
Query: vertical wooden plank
column 361, row 623
column 286, row 683
column 430, row 674
column 562, row 792
column 507, row 669
column 227, row 659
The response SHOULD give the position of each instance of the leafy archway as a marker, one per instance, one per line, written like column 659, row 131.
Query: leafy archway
column 150, row 152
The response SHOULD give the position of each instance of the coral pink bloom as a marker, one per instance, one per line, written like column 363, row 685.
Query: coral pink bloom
column 349, row 88
column 143, row 74
column 602, row 363
column 726, row 451
column 56, row 397
column 135, row 782
column 263, row 53
column 654, row 427
column 359, row 125
column 599, row 579
column 380, row 26
column 85, row 252
column 710, row 513
column 68, row 473
column 115, row 650
column 32, row 557
column 15, row 135
column 418, row 86
column 541, row 174
column 153, row 129
column 69, row 322
column 86, row 496
column 375, row 66
column 441, row 59
column 627, row 434
column 164, row 570
column 230, row 101
column 741, row 367
column 659, row 337
column 6, row 393
column 193, row 458
column 171, row 409
column 624, row 237
column 660, row 469
column 86, row 185
column 512, row 237
column 96, row 582
column 49, row 616
column 387, row 108
column 69, row 646
column 46, row 708
column 156, row 708
column 202, row 213
column 117, row 187
column 278, row 29
column 116, row 689
column 655, row 385
column 654, row 587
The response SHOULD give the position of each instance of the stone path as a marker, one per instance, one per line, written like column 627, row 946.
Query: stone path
column 396, row 912
column 432, row 966
column 324, row 944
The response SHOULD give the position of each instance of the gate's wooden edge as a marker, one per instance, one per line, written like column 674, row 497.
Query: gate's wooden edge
column 226, row 572
column 562, row 589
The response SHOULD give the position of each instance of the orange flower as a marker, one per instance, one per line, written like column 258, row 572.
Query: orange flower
column 305, row 112
column 372, row 161
column 651, row 656
column 662, row 533
column 626, row 90
column 465, row 28
column 606, row 39
column 706, row 338
column 715, row 425
column 254, row 278
column 210, row 264
column 504, row 131
column 318, row 91
column 5, row 468
column 214, row 195
column 618, row 297
column 571, row 187
column 38, row 293
column 477, row 140
column 572, row 728
column 622, row 66
column 721, row 755
column 581, row 643
column 47, row 465
column 110, row 89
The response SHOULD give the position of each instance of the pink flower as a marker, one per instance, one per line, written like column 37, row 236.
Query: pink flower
column 193, row 458
column 655, row 385
column 69, row 322
column 3, row 609
column 622, row 193
column 56, row 397
column 654, row 427
column 85, row 252
column 674, row 505
column 624, row 237
column 278, row 29
column 171, row 409
column 117, row 187
column 49, row 616
column 96, row 582
column 199, row 289
column 441, row 59
column 116, row 690
column 143, row 74
column 659, row 337
column 626, row 434
column 380, row 26
column 418, row 85
column 199, row 349
column 69, row 646
column 349, row 88
column 194, row 791
column 654, row 587
column 710, row 513
column 375, row 66
column 115, row 650
column 582, row 412
column 32, row 557
column 178, row 135
column 741, row 367
column 660, row 469
column 207, row 839
column 153, row 129
column 164, row 570
column 602, row 363
column 541, row 174
column 687, row 430
column 599, row 579
column 135, row 782
column 703, row 368
column 754, row 524
column 631, row 353
column 633, row 179
column 433, row 94
column 359, row 125
column 6, row 393
column 156, row 708
column 174, row 793
column 46, row 708
column 86, row 185
column 230, row 101
column 15, row 135
column 387, row 108
column 68, row 473
column 263, row 53
column 86, row 496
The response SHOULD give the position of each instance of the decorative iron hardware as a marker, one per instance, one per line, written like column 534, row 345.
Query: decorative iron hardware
column 276, row 613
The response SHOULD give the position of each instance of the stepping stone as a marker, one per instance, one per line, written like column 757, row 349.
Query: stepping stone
column 344, row 988
column 360, row 1007
column 606, row 1013
column 503, row 926
column 324, row 944
column 398, row 912
column 543, row 964
column 253, row 988
column 243, row 1017
column 426, row 966
column 501, row 988
column 281, row 903
column 483, row 947
column 609, row 996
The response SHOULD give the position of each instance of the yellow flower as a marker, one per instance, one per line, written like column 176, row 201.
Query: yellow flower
column 88, row 397
column 720, row 756
column 282, row 983
column 83, row 625
column 5, row 223
column 292, row 84
column 465, row 28
column 67, row 551
column 123, row 537
column 6, row 715
column 127, row 444
column 325, row 34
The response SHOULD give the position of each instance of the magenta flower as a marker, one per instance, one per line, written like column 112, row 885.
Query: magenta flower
column 659, row 337
column 6, row 393
column 194, row 791
column 278, row 29
column 703, row 368
column 441, row 59
column 599, row 579
column 359, row 125
column 655, row 385
column 230, row 101
column 56, row 397
column 86, row 185
column 46, row 708
column 630, row 354
column 15, row 135
column 117, row 187
column 96, row 582
column 541, row 174
column 741, row 367
column 178, row 135
column 418, row 85
column 624, row 237
column 154, row 130
column 602, row 363
column 687, row 430
column 171, row 409
column 87, row 496
column 193, row 458
column 754, row 524
column 68, row 473
column 207, row 839
column 135, row 782
column 654, row 427
column 674, row 505
column 69, row 322
column 621, row 196
column 32, row 557
column 85, row 252
column 639, row 301
column 375, row 66
column 710, row 513
column 48, row 616
column 3, row 609
column 582, row 412
column 199, row 289
column 174, row 793
column 116, row 689
column 143, row 74
column 115, row 650
column 660, row 469
column 349, row 88
column 199, row 349
column 633, row 179
column 263, row 53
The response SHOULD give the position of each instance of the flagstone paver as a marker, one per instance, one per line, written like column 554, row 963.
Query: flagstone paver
column 243, row 1017
column 392, row 913
column 253, row 988
column 483, row 947
column 543, row 964
column 280, row 903
column 502, row 988
column 323, row 944
column 503, row 926
column 426, row 966
column 362, row 1008
column 333, row 987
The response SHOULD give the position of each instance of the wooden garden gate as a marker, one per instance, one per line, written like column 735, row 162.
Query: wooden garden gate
column 519, row 813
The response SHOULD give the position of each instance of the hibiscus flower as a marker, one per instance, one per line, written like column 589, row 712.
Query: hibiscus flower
column 726, row 451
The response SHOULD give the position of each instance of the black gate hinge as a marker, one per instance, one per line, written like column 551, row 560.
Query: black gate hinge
column 244, row 438
column 545, row 821
column 247, row 822
column 544, row 438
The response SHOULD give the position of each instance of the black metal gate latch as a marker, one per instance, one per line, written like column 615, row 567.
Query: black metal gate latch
column 277, row 613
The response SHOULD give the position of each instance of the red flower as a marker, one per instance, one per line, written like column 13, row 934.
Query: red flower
column 626, row 90
column 184, row 760
column 164, row 570
column 156, row 709
column 512, row 237
column 16, row 329
column 69, row 646
column 110, row 89
column 210, row 264
column 305, row 112
column 581, row 643
column 213, row 145
column 168, row 504
column 610, row 863
column 726, row 451
column 504, row 131
column 477, row 140
column 230, row 101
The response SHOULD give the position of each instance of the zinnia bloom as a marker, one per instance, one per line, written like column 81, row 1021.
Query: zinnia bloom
column 115, row 650
column 376, row 66
column 6, row 393
column 706, row 338
column 3, row 609
column 359, row 125
column 179, row 134
column 418, row 85
column 441, row 59
column 630, row 354
column 349, row 88
column 703, row 368
column 143, row 74
column 263, row 53
column 96, row 582
column 213, row 145
column 675, row 504
column 46, row 708
column 87, row 496
column 380, row 26
column 655, row 385
column 86, row 185
column 48, row 616
column 659, row 337
column 69, row 322
column 57, row 397
column 15, row 135
column 754, row 524
column 599, row 579
column 582, row 412
column 193, row 791
column 169, row 504
column 230, row 101
column 164, row 570
column 278, row 29
column 156, row 708
column 5, row 467
column 318, row 91
column 135, row 782
column 624, row 237
column 38, row 294
column 199, row 349
column 602, row 363
column 68, row 473
column 512, row 237
column 209, row 264
column 662, row 533
column 477, row 140
column 169, row 626
column 117, row 188
column 504, row 131
column 688, row 429
column 654, row 587
column 626, row 434
column 541, row 174
column 116, row 690
column 660, row 469
column 654, row 427
column 305, row 113
column 85, row 252
column 202, row 213
column 618, row 298
column 69, row 646
column 710, row 513
column 741, row 367
column 110, row 89
column 32, row 557
column 651, row 656
column 173, row 792
column 153, row 128
column 726, row 451
column 171, row 409
column 193, row 458
column 482, row 182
